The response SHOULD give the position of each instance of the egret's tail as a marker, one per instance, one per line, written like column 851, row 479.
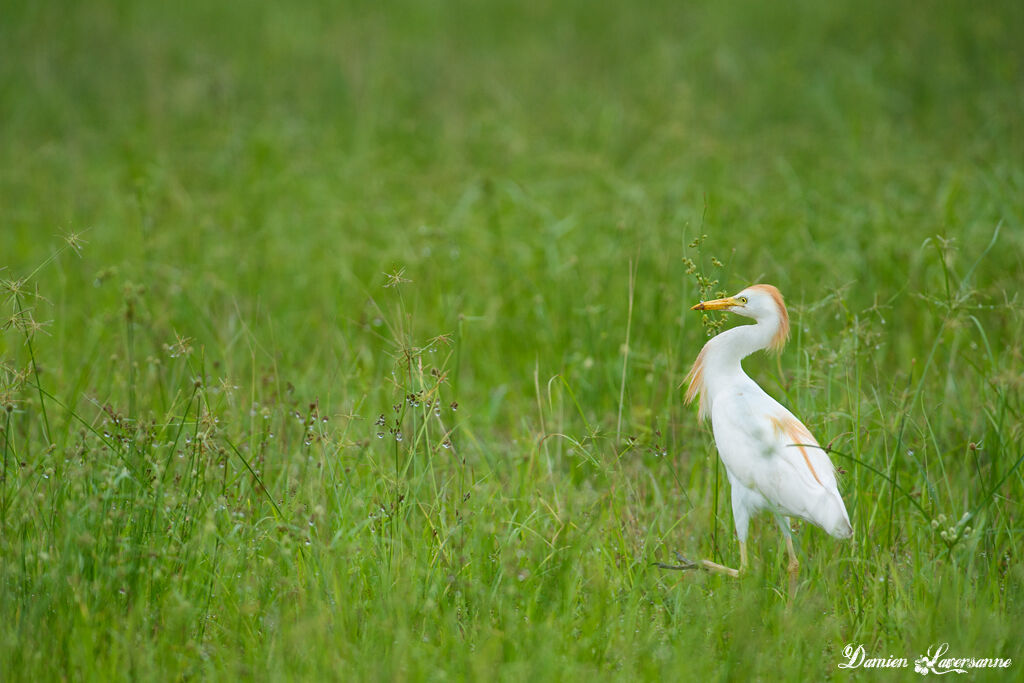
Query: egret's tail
column 832, row 517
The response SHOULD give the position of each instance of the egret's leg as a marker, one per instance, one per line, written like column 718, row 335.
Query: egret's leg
column 744, row 501
column 794, row 563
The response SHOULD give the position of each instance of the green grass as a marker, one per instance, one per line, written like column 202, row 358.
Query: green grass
column 202, row 209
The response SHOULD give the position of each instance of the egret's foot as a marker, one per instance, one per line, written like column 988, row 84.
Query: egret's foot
column 720, row 569
column 707, row 565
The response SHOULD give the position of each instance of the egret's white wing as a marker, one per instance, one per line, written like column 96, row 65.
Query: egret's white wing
column 770, row 451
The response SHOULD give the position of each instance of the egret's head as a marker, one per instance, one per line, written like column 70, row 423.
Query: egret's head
column 763, row 303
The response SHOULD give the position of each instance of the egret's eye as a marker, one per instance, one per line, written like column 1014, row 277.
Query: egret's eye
column 742, row 299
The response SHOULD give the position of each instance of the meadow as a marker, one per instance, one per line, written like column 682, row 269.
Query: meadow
column 345, row 341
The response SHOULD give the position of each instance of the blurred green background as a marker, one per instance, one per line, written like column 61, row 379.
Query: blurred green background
column 285, row 156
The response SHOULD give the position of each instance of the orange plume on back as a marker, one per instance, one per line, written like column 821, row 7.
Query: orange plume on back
column 800, row 435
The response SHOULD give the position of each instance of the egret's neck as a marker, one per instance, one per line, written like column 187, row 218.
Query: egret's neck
column 724, row 352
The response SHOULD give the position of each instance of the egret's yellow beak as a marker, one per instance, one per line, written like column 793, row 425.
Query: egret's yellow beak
column 716, row 304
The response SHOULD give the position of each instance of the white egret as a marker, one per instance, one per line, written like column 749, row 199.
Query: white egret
column 772, row 460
